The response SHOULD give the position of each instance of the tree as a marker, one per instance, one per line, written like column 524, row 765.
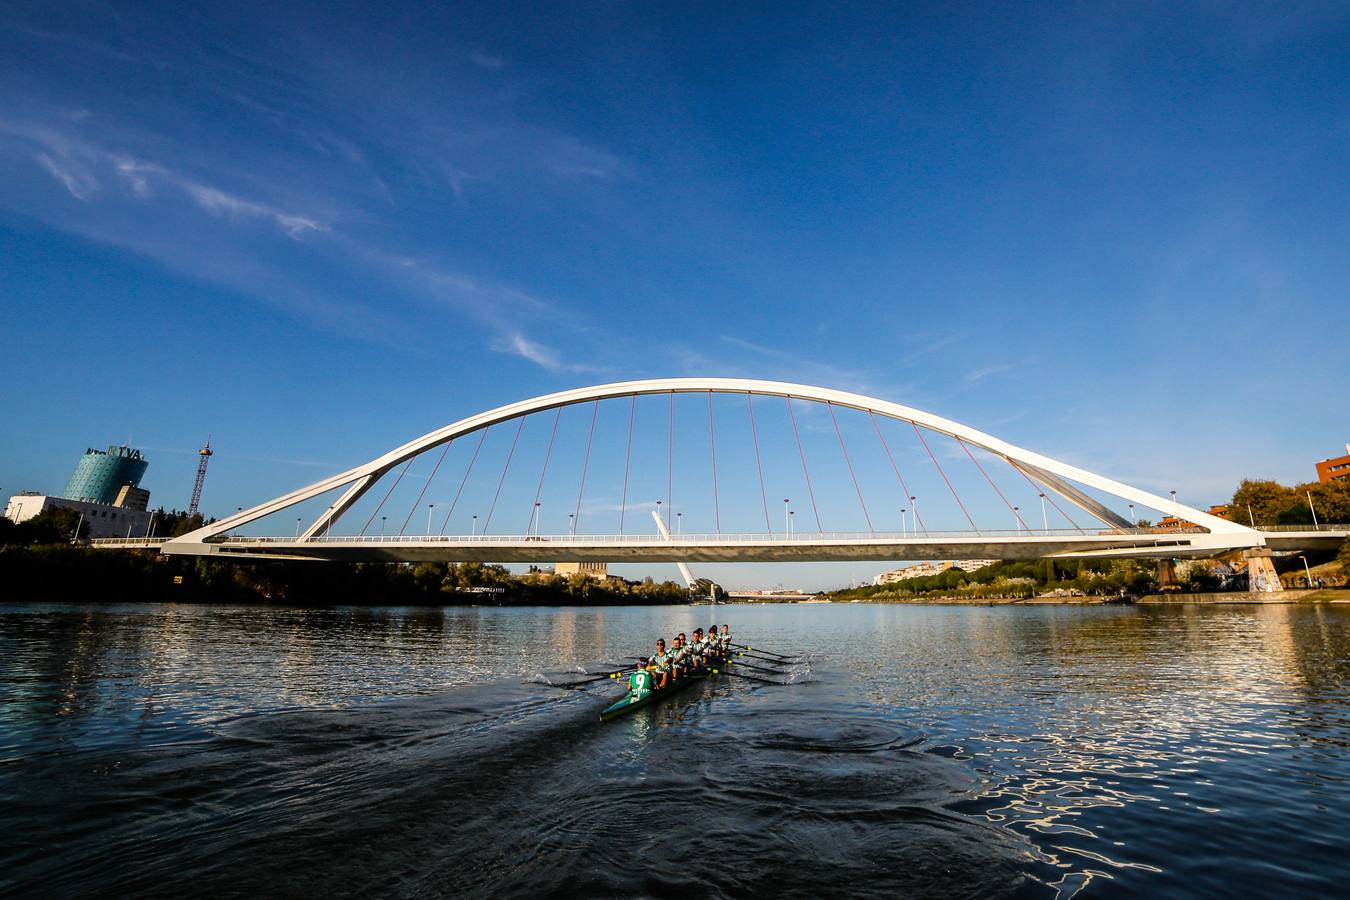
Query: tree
column 1331, row 499
column 57, row 525
column 1266, row 500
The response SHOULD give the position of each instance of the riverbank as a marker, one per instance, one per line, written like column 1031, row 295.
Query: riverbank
column 1334, row 595
column 62, row 572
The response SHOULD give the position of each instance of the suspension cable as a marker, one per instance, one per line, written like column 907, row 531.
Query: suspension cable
column 505, row 468
column 585, row 464
column 473, row 459
column 759, row 466
column 670, row 462
column 806, row 474
column 423, row 493
column 1040, row 489
column 898, row 477
column 839, row 434
column 534, row 510
column 386, row 497
column 945, row 478
column 712, row 442
column 627, row 458
column 1012, row 509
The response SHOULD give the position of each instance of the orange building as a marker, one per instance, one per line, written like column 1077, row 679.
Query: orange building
column 1334, row 469
column 1172, row 523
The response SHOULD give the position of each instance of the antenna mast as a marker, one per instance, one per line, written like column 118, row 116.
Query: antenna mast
column 205, row 454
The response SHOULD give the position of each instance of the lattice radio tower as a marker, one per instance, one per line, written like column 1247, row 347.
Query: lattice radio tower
column 205, row 454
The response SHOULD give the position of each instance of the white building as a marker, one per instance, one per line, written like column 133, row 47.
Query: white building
column 101, row 519
column 924, row 569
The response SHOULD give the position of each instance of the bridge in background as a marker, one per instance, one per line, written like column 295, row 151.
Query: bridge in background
column 334, row 518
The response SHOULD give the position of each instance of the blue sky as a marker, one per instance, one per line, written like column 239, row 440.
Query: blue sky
column 1115, row 234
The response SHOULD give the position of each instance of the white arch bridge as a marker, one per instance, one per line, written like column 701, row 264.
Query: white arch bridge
column 913, row 513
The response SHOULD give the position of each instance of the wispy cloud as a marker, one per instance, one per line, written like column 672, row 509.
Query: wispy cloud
column 984, row 372
column 486, row 60
column 80, row 183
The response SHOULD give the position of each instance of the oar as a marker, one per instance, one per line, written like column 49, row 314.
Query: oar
column 751, row 677
column 771, row 659
column 746, row 665
column 769, row 652
column 614, row 675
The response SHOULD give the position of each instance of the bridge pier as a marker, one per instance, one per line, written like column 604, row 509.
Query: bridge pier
column 1261, row 575
column 1168, row 582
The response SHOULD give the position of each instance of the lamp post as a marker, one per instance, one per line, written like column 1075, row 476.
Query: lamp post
column 904, row 523
column 473, row 529
column 1174, row 502
column 536, row 518
column 1306, row 571
column 914, row 508
column 679, row 523
column 572, row 524
column 297, row 528
column 1134, row 521
column 382, row 518
column 430, row 507
column 1045, row 521
column 1017, row 520
column 786, row 514
column 658, row 509
column 792, row 522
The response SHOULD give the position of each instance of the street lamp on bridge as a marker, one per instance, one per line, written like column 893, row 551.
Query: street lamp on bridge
column 904, row 525
column 1045, row 521
column 430, row 507
column 786, row 514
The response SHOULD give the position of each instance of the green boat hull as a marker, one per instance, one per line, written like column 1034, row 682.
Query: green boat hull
column 628, row 704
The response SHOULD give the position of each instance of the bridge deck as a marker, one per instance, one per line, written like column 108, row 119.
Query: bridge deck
column 857, row 547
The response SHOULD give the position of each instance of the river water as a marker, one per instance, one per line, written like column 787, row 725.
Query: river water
column 161, row 750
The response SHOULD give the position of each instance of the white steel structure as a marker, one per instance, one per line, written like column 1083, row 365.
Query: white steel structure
column 1212, row 535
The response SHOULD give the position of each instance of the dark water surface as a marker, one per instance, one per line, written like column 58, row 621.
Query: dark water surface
column 922, row 751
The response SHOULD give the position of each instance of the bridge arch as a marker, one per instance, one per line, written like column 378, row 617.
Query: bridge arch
column 1053, row 473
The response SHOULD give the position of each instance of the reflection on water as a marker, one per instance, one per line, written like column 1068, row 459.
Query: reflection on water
column 1045, row 751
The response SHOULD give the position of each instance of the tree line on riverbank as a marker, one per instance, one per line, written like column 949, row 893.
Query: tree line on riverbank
column 1016, row 581
column 66, row 572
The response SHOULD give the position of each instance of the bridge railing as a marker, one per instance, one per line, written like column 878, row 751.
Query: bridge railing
column 1320, row 526
column 713, row 538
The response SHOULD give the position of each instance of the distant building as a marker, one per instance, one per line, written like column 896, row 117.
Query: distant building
column 1334, row 469
column 100, row 519
column 101, row 474
column 593, row 569
column 924, row 569
column 104, row 488
column 1173, row 523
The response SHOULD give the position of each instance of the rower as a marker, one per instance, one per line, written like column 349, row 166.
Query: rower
column 677, row 657
column 700, row 648
column 659, row 663
column 725, row 638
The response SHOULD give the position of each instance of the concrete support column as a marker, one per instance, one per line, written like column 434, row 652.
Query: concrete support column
column 1168, row 583
column 1261, row 574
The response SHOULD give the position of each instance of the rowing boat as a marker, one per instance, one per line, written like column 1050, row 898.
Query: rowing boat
column 633, row 701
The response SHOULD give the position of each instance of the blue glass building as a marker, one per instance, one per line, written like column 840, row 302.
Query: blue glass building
column 100, row 474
